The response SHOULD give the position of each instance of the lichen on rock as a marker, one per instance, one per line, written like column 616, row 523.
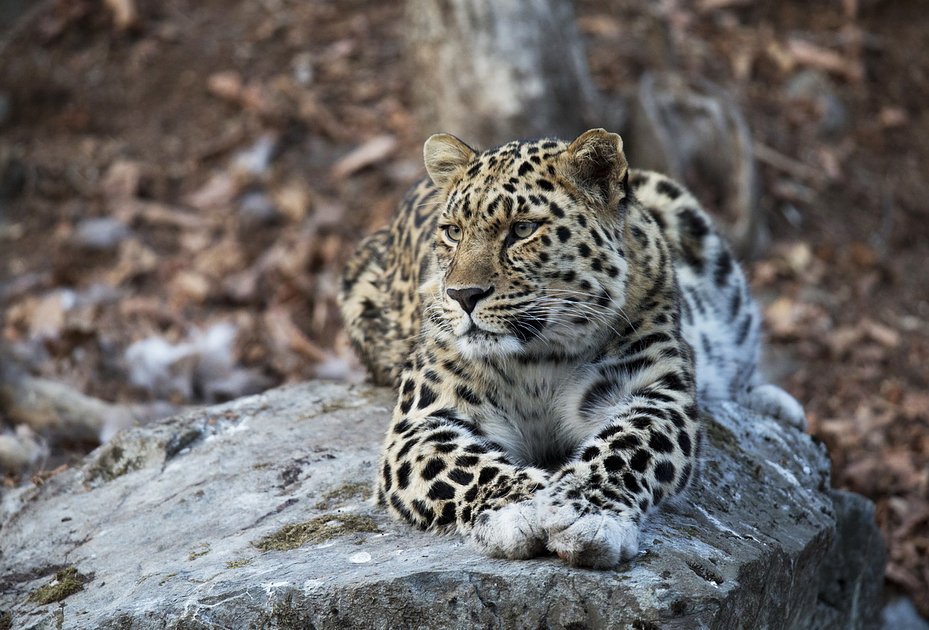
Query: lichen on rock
column 198, row 552
column 67, row 582
column 239, row 563
column 124, row 454
column 316, row 530
column 343, row 493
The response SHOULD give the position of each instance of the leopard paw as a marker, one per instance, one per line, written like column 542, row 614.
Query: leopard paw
column 512, row 531
column 596, row 539
column 773, row 401
column 599, row 541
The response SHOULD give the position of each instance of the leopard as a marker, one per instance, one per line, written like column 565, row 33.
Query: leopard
column 553, row 323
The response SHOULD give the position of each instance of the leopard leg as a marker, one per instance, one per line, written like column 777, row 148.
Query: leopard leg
column 439, row 474
column 643, row 453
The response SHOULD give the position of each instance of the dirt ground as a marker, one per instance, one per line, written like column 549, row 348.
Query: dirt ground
column 213, row 163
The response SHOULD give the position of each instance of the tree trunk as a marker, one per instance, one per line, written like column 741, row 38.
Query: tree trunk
column 692, row 131
column 491, row 71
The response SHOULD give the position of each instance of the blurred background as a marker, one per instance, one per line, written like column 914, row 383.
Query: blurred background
column 182, row 181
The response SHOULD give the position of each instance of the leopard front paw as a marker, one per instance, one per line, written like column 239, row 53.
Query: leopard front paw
column 773, row 401
column 590, row 537
column 512, row 531
column 599, row 541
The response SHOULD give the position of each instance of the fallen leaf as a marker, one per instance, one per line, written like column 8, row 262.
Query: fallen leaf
column 48, row 317
column 903, row 577
column 916, row 405
column 862, row 255
column 218, row 192
column 799, row 257
column 226, row 85
column 257, row 98
column 891, row 117
column 707, row 6
column 786, row 317
column 125, row 13
column 189, row 286
column 884, row 335
column 219, row 260
column 600, row 25
column 809, row 54
column 161, row 214
column 293, row 199
column 843, row 338
column 286, row 334
column 371, row 152
column 121, row 180
column 135, row 259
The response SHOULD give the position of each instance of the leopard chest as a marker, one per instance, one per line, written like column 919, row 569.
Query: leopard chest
column 534, row 414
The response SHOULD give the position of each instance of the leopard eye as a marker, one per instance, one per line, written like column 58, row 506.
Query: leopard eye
column 452, row 233
column 524, row 228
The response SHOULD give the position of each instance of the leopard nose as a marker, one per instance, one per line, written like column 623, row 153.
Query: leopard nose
column 469, row 297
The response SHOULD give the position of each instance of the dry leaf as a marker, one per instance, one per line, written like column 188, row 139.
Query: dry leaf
column 843, row 338
column 286, row 334
column 371, row 152
column 125, row 13
column 799, row 257
column 161, row 214
column 134, row 259
column 707, row 6
column 48, row 317
column 884, row 335
column 218, row 192
column 226, row 85
column 189, row 286
column 891, row 117
column 293, row 199
column 121, row 180
column 809, row 54
column 220, row 260
column 600, row 25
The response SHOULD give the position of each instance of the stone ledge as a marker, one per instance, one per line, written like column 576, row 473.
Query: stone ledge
column 166, row 526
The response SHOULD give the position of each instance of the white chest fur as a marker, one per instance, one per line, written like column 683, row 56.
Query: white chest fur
column 535, row 417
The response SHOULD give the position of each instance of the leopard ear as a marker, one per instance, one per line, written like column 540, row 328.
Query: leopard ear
column 596, row 162
column 445, row 155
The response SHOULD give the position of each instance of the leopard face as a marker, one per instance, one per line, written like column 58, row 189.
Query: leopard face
column 528, row 245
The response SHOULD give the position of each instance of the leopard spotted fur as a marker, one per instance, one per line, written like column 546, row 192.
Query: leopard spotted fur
column 551, row 319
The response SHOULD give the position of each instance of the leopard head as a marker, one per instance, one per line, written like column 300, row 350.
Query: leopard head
column 528, row 245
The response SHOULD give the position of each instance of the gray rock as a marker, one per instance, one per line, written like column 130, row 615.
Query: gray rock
column 184, row 524
column 257, row 209
column 694, row 131
column 851, row 578
column 818, row 91
column 901, row 614
column 101, row 234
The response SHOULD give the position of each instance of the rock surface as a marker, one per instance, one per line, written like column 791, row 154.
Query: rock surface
column 197, row 522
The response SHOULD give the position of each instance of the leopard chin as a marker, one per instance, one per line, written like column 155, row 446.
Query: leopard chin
column 477, row 344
